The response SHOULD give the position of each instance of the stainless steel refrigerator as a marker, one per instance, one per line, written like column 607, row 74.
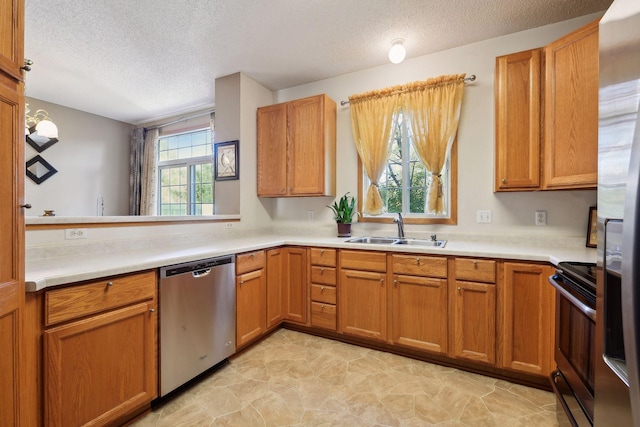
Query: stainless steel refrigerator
column 617, row 381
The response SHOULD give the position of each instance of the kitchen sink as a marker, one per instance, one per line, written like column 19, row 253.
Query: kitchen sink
column 420, row 242
column 374, row 240
column 398, row 241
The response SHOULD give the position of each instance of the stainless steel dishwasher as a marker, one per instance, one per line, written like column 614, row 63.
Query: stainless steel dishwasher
column 197, row 318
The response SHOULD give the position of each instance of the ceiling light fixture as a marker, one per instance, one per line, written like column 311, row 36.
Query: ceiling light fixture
column 39, row 124
column 397, row 51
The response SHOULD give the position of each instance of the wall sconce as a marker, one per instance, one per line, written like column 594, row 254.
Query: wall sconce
column 41, row 132
column 43, row 125
column 397, row 51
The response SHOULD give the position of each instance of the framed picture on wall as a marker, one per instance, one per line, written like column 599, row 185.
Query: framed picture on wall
column 227, row 161
column 592, row 228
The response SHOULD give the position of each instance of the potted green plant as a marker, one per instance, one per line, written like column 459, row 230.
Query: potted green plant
column 344, row 210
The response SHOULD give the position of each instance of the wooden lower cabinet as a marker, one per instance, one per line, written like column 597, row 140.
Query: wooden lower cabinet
column 295, row 284
column 527, row 326
column 363, row 304
column 99, row 369
column 473, row 321
column 99, row 350
column 419, row 313
column 251, row 317
column 275, row 288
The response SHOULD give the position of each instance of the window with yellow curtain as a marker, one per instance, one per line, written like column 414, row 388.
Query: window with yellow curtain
column 420, row 175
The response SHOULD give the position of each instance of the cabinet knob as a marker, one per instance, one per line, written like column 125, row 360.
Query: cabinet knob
column 504, row 181
column 475, row 264
column 152, row 310
column 322, row 307
column 321, row 251
column 241, row 282
column 381, row 281
column 109, row 283
column 252, row 256
column 321, row 289
column 395, row 283
column 321, row 270
column 417, row 260
column 459, row 288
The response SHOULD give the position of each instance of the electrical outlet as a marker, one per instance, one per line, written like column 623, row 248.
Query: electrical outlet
column 484, row 217
column 228, row 225
column 541, row 217
column 75, row 233
column 311, row 215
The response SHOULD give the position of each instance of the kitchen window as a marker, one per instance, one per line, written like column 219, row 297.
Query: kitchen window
column 403, row 185
column 185, row 173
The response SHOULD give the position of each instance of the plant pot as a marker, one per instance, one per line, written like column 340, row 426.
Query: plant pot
column 344, row 229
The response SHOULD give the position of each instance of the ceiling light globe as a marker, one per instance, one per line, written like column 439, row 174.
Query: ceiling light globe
column 47, row 129
column 397, row 53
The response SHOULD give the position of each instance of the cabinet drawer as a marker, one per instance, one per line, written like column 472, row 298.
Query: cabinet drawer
column 476, row 270
column 250, row 261
column 322, row 256
column 420, row 265
column 325, row 294
column 98, row 296
column 324, row 275
column 363, row 260
column 323, row 315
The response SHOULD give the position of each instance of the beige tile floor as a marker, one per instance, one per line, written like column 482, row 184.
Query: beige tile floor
column 295, row 379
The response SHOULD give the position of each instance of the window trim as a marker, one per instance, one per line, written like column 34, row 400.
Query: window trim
column 452, row 220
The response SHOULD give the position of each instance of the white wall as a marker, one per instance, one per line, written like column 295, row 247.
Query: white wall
column 92, row 158
column 513, row 212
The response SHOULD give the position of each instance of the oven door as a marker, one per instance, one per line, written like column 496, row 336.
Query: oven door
column 574, row 352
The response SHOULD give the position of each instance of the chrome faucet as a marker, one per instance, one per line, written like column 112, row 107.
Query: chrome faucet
column 400, row 223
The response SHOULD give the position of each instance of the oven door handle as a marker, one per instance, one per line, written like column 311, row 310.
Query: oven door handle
column 588, row 311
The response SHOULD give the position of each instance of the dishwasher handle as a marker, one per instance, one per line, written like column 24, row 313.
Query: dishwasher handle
column 201, row 273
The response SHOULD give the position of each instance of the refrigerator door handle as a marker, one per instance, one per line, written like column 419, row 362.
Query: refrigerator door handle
column 630, row 275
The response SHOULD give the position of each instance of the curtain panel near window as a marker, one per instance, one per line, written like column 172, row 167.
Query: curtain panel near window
column 372, row 121
column 135, row 170
column 148, row 196
column 433, row 109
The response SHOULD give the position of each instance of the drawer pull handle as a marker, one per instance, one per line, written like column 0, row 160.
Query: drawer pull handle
column 109, row 283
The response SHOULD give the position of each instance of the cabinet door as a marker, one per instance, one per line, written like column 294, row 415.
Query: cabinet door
column 362, row 304
column 13, row 381
column 251, row 312
column 419, row 313
column 517, row 97
column 12, row 38
column 527, row 320
column 100, row 369
column 275, row 291
column 296, row 284
column 272, row 150
column 571, row 110
column 474, row 321
column 307, row 146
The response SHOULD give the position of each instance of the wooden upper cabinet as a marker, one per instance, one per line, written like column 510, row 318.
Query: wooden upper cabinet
column 571, row 110
column 517, row 102
column 297, row 148
column 12, row 38
column 553, row 147
column 272, row 150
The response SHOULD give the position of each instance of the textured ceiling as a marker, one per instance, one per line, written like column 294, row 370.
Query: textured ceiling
column 136, row 60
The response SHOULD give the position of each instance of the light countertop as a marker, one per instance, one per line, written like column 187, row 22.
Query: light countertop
column 49, row 272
